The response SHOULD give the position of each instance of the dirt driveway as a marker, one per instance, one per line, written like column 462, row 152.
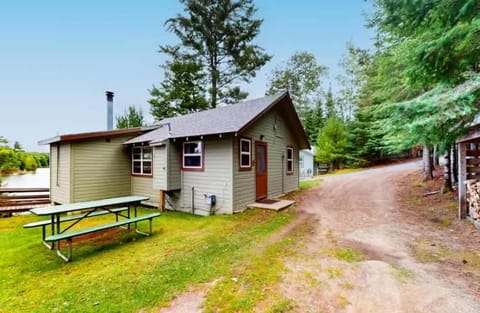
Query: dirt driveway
column 373, row 268
column 363, row 252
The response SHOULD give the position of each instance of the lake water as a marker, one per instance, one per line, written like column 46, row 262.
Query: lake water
column 39, row 179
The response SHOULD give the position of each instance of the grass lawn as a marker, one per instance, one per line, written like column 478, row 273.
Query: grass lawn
column 110, row 273
column 310, row 183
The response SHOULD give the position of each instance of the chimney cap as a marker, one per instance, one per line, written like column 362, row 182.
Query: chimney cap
column 109, row 95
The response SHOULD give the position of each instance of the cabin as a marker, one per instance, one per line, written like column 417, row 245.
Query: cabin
column 306, row 163
column 217, row 161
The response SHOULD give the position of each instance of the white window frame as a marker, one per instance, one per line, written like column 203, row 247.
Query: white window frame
column 249, row 153
column 196, row 154
column 142, row 160
column 290, row 161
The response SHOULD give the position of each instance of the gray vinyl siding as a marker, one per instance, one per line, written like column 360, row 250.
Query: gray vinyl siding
column 60, row 177
column 101, row 169
column 215, row 179
column 174, row 181
column 277, row 139
column 143, row 186
column 160, row 169
column 166, row 167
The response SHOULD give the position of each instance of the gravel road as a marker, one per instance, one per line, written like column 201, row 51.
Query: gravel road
column 359, row 211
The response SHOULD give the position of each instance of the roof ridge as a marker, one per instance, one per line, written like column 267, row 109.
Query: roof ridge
column 276, row 96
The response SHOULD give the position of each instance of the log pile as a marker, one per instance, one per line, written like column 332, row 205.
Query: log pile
column 473, row 198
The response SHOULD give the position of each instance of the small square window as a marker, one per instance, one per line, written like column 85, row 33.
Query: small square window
column 289, row 160
column 192, row 155
column 142, row 160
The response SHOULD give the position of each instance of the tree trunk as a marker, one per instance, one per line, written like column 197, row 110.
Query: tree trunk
column 213, row 90
column 447, row 175
column 427, row 163
column 213, row 80
column 455, row 163
column 434, row 157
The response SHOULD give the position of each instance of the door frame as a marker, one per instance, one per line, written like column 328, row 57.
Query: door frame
column 265, row 144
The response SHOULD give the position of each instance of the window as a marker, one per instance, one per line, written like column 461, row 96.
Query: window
column 245, row 154
column 289, row 160
column 192, row 155
column 300, row 161
column 142, row 160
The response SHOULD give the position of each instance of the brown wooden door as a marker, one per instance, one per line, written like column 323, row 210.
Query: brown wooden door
column 261, row 169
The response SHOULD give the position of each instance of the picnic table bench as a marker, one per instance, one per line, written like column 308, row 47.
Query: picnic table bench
column 93, row 208
column 46, row 223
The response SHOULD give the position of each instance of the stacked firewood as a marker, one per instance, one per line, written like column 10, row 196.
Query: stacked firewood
column 473, row 198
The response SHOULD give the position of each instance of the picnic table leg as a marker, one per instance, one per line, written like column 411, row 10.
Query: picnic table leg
column 136, row 228
column 44, row 234
column 53, row 230
column 128, row 215
column 58, row 223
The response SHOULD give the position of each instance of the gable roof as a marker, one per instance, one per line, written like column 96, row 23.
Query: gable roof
column 230, row 119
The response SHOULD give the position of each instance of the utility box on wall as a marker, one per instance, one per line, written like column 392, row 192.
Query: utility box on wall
column 210, row 200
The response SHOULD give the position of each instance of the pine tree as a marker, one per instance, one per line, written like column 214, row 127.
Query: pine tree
column 132, row 117
column 331, row 143
column 182, row 90
column 218, row 35
column 301, row 75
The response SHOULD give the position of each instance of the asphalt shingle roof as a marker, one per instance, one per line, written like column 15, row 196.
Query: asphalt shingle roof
column 215, row 121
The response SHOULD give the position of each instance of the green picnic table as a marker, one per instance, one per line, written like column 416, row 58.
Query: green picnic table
column 89, row 209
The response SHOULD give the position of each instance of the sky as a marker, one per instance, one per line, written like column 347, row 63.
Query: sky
column 57, row 58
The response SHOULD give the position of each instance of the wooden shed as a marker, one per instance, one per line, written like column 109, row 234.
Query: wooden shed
column 468, row 166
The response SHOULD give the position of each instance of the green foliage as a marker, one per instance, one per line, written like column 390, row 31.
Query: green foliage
column 217, row 36
column 331, row 143
column 12, row 160
column 181, row 92
column 17, row 146
column 420, row 89
column 132, row 117
column 330, row 104
column 301, row 75
column 436, row 117
column 314, row 120
column 354, row 75
column 364, row 143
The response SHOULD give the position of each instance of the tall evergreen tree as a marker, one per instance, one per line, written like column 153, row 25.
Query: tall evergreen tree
column 353, row 77
column 301, row 75
column 331, row 143
column 132, row 117
column 218, row 35
column 17, row 146
column 426, row 46
column 182, row 91
column 314, row 121
column 330, row 104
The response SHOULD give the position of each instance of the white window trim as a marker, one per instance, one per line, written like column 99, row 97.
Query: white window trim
column 200, row 154
column 290, row 160
column 142, row 160
column 249, row 153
